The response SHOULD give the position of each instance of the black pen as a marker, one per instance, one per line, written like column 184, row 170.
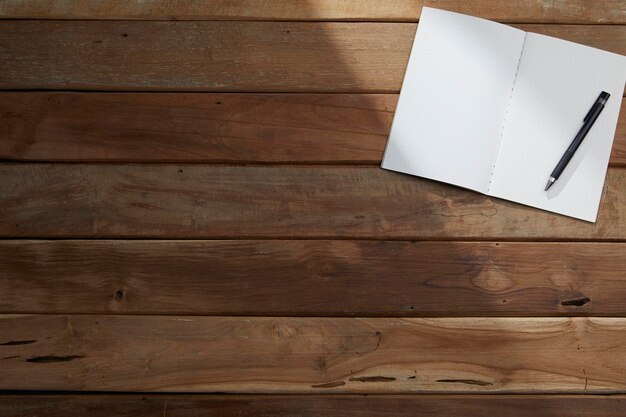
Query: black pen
column 588, row 121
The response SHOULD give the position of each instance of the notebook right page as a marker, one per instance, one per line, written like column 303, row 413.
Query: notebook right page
column 556, row 85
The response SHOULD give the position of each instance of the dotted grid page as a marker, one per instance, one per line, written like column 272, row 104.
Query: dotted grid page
column 556, row 85
column 456, row 90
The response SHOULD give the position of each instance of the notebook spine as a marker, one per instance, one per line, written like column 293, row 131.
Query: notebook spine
column 506, row 114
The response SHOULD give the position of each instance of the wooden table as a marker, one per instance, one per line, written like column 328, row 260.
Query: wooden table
column 191, row 201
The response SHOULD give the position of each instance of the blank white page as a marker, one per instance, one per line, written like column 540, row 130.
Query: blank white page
column 456, row 90
column 556, row 85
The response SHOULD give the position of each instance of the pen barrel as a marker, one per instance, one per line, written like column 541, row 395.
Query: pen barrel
column 573, row 147
column 580, row 136
column 588, row 121
column 567, row 156
column 585, row 129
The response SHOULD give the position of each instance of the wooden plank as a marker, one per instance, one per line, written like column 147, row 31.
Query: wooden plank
column 541, row 11
column 226, row 56
column 313, row 355
column 614, row 39
column 191, row 127
column 313, row 406
column 199, row 201
column 312, row 278
column 207, row 128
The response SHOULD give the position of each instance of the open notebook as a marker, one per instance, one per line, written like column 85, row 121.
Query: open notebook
column 492, row 108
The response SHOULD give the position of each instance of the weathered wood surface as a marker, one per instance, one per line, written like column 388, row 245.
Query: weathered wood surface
column 312, row 278
column 192, row 127
column 541, row 11
column 237, row 279
column 207, row 128
column 226, row 56
column 42, row 200
column 313, row 406
column 312, row 355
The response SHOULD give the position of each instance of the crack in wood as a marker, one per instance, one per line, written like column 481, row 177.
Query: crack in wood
column 17, row 342
column 380, row 339
column 578, row 302
column 53, row 358
column 467, row 381
column 329, row 385
column 373, row 379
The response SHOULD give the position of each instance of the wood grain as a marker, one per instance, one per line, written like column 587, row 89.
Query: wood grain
column 313, row 406
column 313, row 355
column 199, row 201
column 226, row 56
column 541, row 11
column 192, row 127
column 312, row 278
column 207, row 128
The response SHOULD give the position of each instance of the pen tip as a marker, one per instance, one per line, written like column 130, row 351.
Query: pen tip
column 549, row 184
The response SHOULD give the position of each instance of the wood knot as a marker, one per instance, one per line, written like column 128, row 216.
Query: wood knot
column 281, row 330
column 492, row 280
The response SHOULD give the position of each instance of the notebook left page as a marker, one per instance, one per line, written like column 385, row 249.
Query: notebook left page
column 454, row 97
